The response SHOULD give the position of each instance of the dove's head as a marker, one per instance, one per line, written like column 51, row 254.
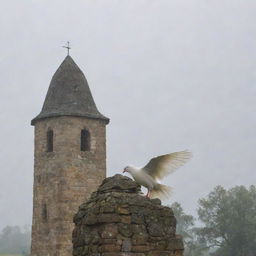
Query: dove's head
column 129, row 169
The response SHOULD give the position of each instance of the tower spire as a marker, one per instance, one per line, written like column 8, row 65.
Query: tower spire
column 69, row 94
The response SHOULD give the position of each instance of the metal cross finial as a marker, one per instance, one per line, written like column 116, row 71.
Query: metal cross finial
column 67, row 47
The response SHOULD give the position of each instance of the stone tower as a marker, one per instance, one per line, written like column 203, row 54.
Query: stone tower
column 70, row 159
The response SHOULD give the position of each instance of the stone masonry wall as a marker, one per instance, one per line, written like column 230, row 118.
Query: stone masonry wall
column 118, row 221
column 63, row 179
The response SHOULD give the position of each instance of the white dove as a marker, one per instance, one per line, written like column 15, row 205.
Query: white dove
column 156, row 169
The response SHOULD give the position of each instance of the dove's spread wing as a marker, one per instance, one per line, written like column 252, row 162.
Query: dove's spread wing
column 161, row 166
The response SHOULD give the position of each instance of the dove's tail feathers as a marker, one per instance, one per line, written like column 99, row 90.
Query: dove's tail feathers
column 161, row 191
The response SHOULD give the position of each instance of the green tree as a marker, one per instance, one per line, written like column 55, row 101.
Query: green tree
column 13, row 240
column 194, row 245
column 229, row 218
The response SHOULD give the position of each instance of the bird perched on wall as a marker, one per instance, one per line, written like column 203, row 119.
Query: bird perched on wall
column 156, row 169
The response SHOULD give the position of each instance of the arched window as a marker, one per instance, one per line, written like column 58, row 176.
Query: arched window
column 44, row 213
column 49, row 147
column 85, row 140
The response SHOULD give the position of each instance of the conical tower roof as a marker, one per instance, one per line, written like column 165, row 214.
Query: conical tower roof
column 69, row 94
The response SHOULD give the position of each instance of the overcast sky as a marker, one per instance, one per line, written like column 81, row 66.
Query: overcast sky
column 171, row 75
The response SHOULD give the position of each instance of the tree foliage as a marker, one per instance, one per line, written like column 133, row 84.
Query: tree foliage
column 194, row 245
column 14, row 240
column 229, row 218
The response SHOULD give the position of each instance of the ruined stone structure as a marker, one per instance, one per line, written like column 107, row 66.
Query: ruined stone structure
column 70, row 159
column 118, row 221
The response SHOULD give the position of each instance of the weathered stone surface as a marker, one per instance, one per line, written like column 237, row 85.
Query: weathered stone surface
column 108, row 241
column 140, row 248
column 110, row 248
column 126, row 219
column 108, row 218
column 160, row 245
column 64, row 180
column 178, row 253
column 123, row 210
column 161, row 253
column 90, row 219
column 127, row 245
column 125, row 229
column 91, row 236
column 140, row 239
column 109, row 231
column 120, row 183
column 122, row 254
column 155, row 229
column 126, row 224
column 156, row 201
column 176, row 244
column 78, row 251
column 137, row 217
column 106, row 208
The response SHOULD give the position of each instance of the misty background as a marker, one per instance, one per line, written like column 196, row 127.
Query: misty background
column 171, row 75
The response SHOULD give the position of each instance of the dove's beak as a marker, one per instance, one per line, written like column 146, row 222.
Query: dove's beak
column 124, row 171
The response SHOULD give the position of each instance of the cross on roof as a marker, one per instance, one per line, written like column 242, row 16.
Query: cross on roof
column 67, row 47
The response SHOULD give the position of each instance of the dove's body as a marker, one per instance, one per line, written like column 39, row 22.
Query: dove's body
column 142, row 177
column 157, row 168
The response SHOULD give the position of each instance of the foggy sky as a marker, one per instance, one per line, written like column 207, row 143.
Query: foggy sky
column 171, row 75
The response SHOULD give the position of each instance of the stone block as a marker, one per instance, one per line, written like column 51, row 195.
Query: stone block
column 137, row 218
column 125, row 219
column 91, row 237
column 139, row 229
column 122, row 254
column 107, row 208
column 155, row 229
column 125, row 229
column 86, row 250
column 178, row 253
column 109, row 231
column 140, row 248
column 108, row 241
column 108, row 218
column 175, row 244
column 110, row 248
column 78, row 251
column 126, row 245
column 122, row 210
column 90, row 219
column 161, row 253
column 78, row 241
column 156, row 201
column 140, row 238
column 161, row 245
column 93, row 249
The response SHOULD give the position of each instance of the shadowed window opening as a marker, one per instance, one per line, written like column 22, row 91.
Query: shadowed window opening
column 85, row 140
column 50, row 141
column 44, row 213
